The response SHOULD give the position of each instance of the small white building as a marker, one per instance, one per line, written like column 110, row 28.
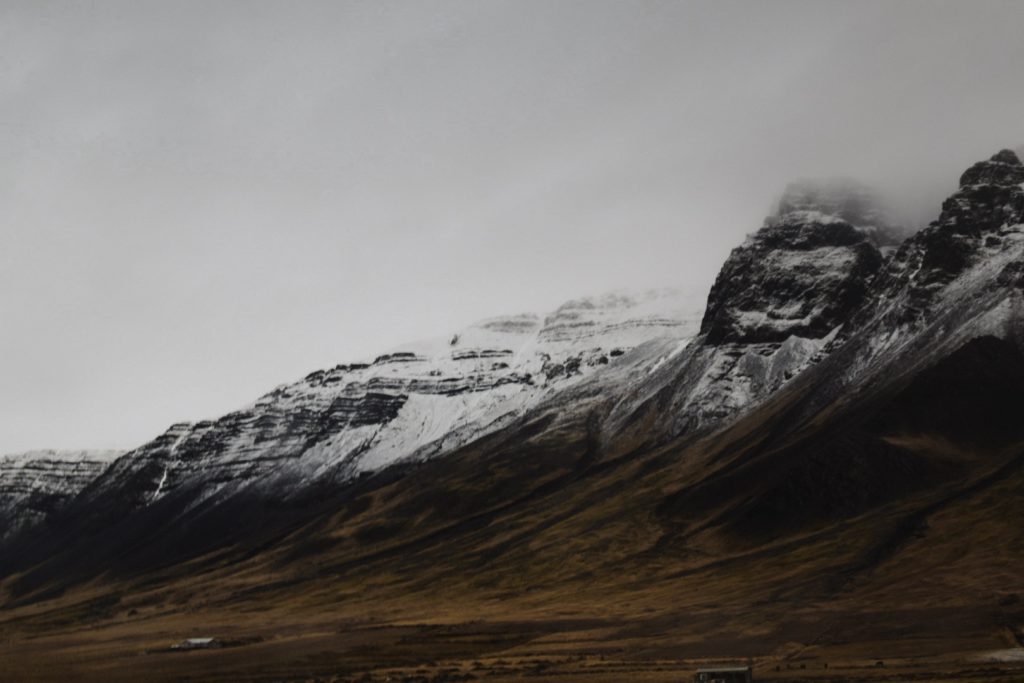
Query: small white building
column 196, row 644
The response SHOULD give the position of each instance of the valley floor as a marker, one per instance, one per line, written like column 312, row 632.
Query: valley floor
column 267, row 645
column 859, row 550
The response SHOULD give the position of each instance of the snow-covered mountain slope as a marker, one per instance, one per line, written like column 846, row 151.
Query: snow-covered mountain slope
column 778, row 300
column 415, row 402
column 37, row 483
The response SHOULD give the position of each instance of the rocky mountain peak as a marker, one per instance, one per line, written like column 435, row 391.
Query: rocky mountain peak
column 979, row 233
column 778, row 301
column 802, row 272
column 989, row 197
column 1006, row 156
column 1003, row 168
column 816, row 275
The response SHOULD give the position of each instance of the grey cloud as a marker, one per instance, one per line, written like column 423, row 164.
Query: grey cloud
column 202, row 200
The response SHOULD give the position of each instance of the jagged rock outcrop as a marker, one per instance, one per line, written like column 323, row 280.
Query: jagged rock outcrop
column 977, row 222
column 956, row 279
column 802, row 274
column 1002, row 168
column 975, row 240
column 811, row 284
column 36, row 484
column 778, row 300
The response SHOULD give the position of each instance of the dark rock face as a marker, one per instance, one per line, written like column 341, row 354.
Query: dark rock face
column 980, row 224
column 821, row 272
column 35, row 485
column 1004, row 168
column 802, row 274
column 778, row 301
column 990, row 197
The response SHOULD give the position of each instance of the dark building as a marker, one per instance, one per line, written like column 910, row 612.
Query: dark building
column 724, row 674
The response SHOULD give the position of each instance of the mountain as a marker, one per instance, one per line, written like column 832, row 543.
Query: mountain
column 842, row 199
column 36, row 484
column 412, row 403
column 917, row 387
column 777, row 302
column 827, row 471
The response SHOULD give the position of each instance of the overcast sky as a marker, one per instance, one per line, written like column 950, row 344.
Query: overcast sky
column 199, row 201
